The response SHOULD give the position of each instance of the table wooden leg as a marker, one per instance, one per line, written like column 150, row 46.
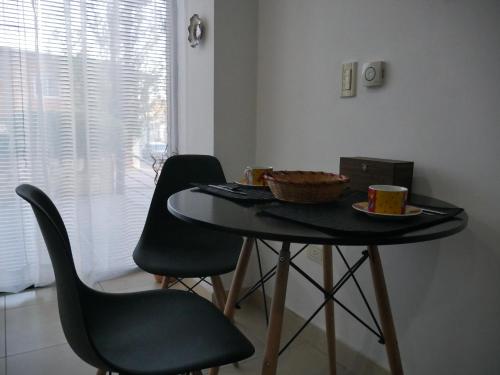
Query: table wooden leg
column 236, row 284
column 329, row 307
column 270, row 364
column 384, row 308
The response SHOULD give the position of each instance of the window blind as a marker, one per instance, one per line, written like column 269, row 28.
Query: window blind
column 85, row 108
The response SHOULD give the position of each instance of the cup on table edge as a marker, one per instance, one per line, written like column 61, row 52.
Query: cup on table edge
column 255, row 175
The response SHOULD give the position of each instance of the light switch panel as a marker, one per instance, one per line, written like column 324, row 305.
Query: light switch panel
column 349, row 72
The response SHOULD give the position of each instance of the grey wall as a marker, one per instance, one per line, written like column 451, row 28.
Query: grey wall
column 235, row 77
column 441, row 108
column 218, row 82
column 217, row 87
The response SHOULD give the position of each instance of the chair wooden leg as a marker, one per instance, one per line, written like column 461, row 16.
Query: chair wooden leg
column 158, row 278
column 270, row 364
column 220, row 294
column 166, row 281
column 101, row 372
column 384, row 308
column 236, row 284
column 239, row 277
column 329, row 307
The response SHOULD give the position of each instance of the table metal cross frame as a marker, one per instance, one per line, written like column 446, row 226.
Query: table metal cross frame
column 349, row 274
column 329, row 290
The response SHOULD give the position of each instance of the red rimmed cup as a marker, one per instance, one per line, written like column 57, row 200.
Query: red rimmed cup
column 387, row 199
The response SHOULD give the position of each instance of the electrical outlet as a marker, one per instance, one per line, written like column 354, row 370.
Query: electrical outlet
column 315, row 254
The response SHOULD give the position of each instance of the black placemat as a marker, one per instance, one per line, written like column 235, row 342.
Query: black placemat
column 252, row 195
column 340, row 218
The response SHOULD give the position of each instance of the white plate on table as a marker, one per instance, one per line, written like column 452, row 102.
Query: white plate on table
column 411, row 211
column 244, row 184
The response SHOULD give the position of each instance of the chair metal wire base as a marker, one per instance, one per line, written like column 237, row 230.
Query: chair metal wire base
column 179, row 280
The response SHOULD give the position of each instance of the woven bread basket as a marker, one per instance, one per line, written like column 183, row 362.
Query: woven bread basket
column 306, row 187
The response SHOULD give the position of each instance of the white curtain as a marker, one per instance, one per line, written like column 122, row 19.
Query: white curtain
column 85, row 102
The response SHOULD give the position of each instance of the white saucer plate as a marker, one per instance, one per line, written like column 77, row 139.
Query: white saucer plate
column 243, row 184
column 411, row 211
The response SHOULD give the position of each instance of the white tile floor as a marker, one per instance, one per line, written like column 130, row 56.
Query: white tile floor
column 32, row 341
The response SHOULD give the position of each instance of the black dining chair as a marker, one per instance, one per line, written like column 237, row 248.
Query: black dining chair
column 166, row 332
column 175, row 249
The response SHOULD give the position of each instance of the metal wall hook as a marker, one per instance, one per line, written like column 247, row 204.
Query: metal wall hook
column 196, row 30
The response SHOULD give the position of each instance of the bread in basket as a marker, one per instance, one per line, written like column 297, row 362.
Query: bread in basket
column 306, row 186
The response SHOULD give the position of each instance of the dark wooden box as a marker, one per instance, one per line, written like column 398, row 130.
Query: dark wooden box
column 371, row 171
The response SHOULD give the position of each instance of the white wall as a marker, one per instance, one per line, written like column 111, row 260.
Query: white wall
column 196, row 81
column 441, row 108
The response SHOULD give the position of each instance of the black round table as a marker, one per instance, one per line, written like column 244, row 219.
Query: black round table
column 221, row 214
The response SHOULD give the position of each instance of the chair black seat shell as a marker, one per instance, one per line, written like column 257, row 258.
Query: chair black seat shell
column 171, row 247
column 164, row 332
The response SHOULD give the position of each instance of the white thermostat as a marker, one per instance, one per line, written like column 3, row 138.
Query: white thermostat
column 373, row 74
